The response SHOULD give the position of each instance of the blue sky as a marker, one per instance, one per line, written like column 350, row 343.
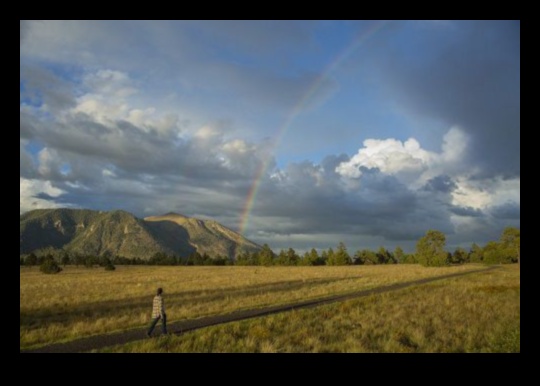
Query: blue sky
column 368, row 132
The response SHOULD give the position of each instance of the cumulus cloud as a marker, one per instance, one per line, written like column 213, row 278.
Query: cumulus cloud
column 389, row 156
column 407, row 160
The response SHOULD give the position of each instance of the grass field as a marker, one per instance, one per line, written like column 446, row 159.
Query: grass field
column 479, row 312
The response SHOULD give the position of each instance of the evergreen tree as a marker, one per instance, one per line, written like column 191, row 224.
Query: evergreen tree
column 266, row 256
column 340, row 257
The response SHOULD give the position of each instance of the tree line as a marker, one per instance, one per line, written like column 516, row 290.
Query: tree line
column 430, row 251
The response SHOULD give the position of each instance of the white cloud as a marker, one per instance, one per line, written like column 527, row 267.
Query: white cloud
column 485, row 193
column 408, row 161
column 468, row 195
column 390, row 156
column 108, row 173
column 30, row 189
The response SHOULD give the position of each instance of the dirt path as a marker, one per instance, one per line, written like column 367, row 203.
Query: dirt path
column 101, row 341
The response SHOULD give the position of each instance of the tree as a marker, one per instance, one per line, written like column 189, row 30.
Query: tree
column 399, row 255
column 384, row 256
column 324, row 257
column 314, row 258
column 430, row 249
column 494, row 253
column 79, row 259
column 31, row 259
column 459, row 256
column 245, row 258
column 365, row 256
column 340, row 257
column 288, row 257
column 90, row 261
column 266, row 256
column 109, row 266
column 409, row 258
column 510, row 240
column 476, row 254
column 329, row 256
column 65, row 259
column 292, row 257
column 49, row 266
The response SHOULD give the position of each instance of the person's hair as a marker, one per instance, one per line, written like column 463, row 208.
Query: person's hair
column 159, row 290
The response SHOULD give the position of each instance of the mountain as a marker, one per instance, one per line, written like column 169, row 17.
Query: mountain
column 91, row 232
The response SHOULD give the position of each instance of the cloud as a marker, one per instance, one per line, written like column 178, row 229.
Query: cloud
column 407, row 160
column 469, row 78
column 183, row 59
column 442, row 183
column 509, row 210
column 466, row 212
column 41, row 87
column 36, row 194
column 27, row 166
column 389, row 156
column 106, row 162
column 158, row 116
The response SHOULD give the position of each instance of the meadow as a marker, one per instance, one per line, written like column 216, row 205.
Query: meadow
column 477, row 312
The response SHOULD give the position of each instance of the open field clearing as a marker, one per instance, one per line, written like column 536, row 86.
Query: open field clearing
column 473, row 313
column 81, row 302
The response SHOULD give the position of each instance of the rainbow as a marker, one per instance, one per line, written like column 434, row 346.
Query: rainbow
column 295, row 111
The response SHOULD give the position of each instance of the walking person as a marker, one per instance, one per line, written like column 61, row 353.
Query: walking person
column 158, row 312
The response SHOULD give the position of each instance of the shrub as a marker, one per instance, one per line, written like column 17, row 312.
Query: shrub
column 110, row 267
column 49, row 266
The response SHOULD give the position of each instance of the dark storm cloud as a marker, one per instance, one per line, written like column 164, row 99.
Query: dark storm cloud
column 466, row 211
column 509, row 210
column 469, row 77
column 443, row 184
column 135, row 151
column 380, row 206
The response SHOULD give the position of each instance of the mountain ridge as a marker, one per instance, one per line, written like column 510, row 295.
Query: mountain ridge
column 117, row 232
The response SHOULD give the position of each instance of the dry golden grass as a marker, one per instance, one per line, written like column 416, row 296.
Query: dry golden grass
column 476, row 313
column 80, row 302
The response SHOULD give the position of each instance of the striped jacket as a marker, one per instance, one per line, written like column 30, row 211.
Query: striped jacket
column 158, row 308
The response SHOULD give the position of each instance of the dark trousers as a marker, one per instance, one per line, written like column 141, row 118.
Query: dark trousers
column 154, row 322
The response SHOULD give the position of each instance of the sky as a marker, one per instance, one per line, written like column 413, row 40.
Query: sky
column 297, row 134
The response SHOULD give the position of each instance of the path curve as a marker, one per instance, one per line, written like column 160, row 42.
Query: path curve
column 123, row 337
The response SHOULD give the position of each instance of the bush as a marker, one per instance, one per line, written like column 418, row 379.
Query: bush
column 50, row 266
column 110, row 267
